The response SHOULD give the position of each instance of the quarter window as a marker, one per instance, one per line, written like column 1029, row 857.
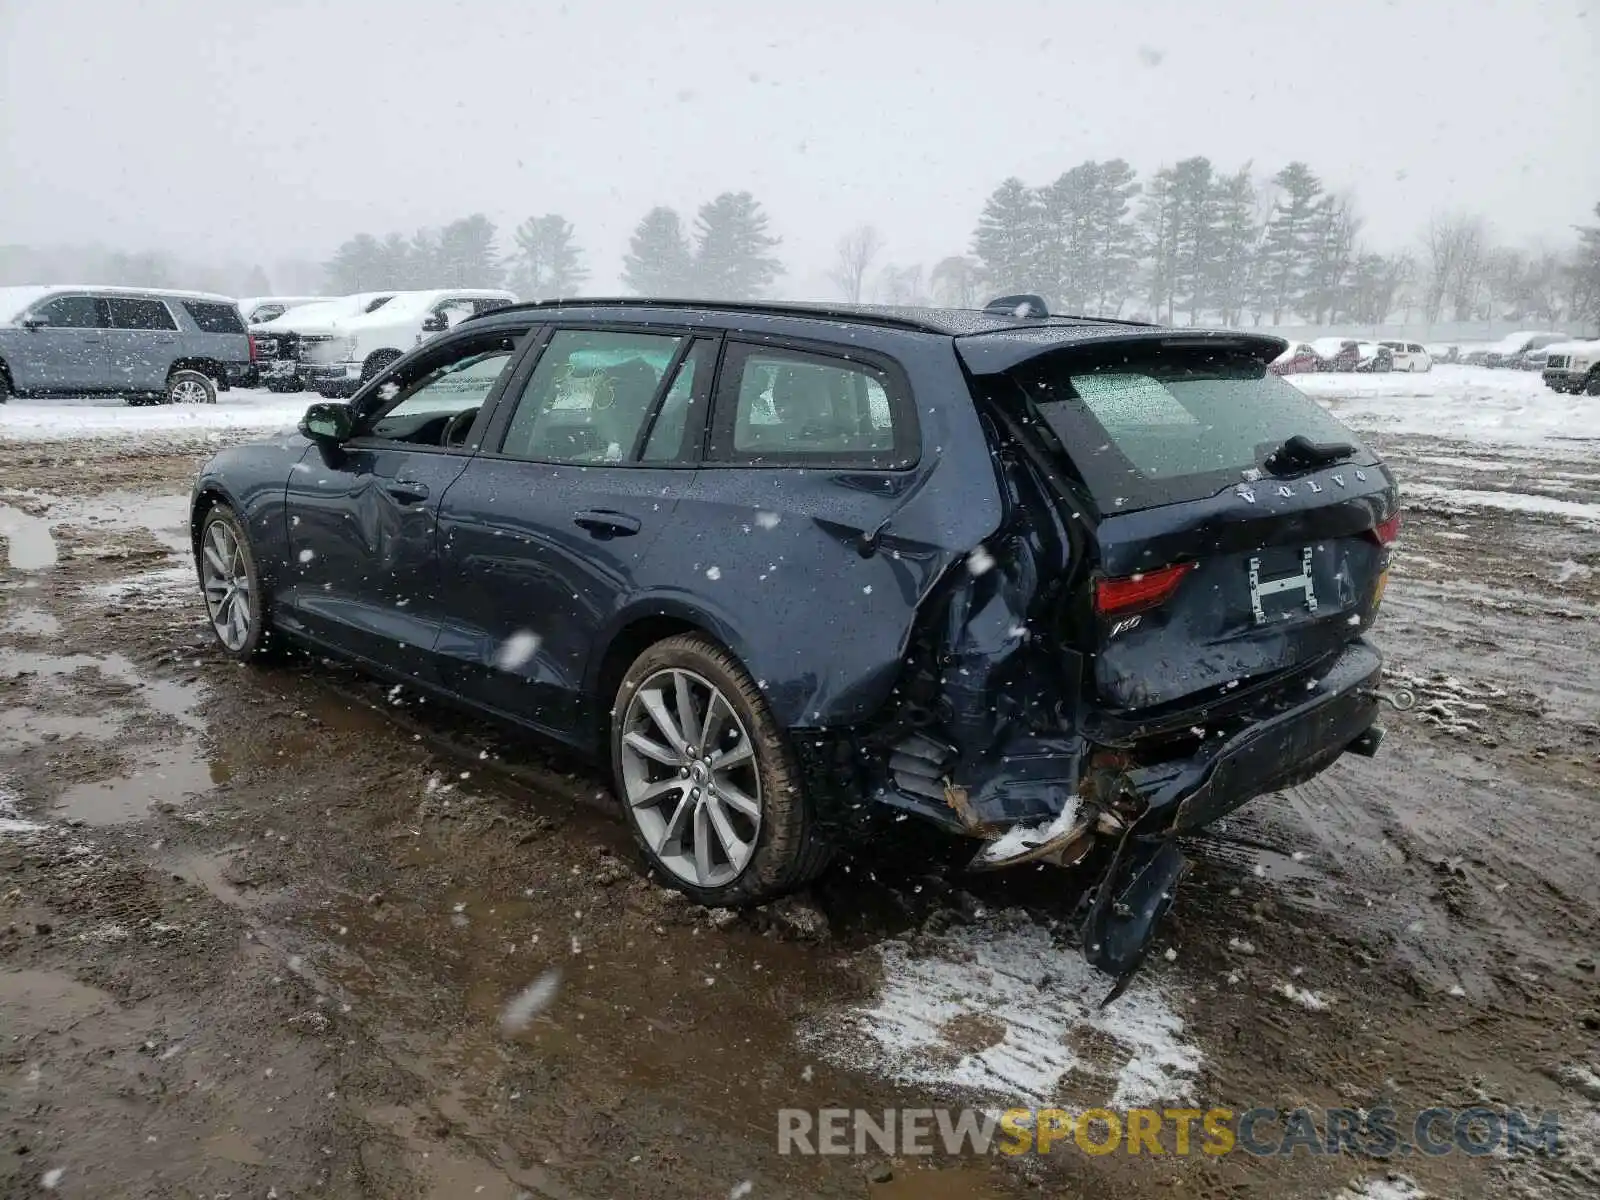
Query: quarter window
column 215, row 318
column 589, row 396
column 128, row 312
column 72, row 312
column 792, row 406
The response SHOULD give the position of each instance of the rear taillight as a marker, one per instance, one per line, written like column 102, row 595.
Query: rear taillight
column 252, row 342
column 1135, row 593
column 1387, row 531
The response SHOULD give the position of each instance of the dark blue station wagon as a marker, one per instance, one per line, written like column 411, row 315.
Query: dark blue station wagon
column 1067, row 587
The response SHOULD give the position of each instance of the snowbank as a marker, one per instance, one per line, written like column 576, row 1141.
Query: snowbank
column 1474, row 404
column 108, row 417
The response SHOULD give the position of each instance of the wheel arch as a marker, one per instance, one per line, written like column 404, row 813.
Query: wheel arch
column 634, row 631
column 209, row 495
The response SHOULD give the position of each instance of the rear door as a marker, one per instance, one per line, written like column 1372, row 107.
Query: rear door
column 68, row 352
column 141, row 343
column 1225, row 558
column 544, row 536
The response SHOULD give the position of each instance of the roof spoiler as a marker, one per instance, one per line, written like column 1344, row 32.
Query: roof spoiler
column 1000, row 350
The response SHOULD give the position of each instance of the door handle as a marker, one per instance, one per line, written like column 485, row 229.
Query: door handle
column 602, row 523
column 407, row 491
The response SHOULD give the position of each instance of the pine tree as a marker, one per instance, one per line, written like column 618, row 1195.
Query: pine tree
column 1158, row 224
column 356, row 264
column 1194, row 207
column 659, row 261
column 1287, row 250
column 1332, row 230
column 1115, row 254
column 466, row 254
column 1007, row 239
column 731, row 248
column 1066, row 237
column 423, row 260
column 1236, row 241
column 547, row 264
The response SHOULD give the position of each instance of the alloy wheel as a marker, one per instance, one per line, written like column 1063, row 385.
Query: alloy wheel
column 691, row 777
column 225, row 576
column 188, row 391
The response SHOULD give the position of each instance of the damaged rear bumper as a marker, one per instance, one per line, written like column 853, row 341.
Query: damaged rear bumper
column 1147, row 807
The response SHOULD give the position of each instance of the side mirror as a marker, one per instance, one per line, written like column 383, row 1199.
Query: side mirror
column 327, row 424
column 34, row 322
column 435, row 323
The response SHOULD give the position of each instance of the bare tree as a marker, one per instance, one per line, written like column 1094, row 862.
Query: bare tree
column 1455, row 250
column 856, row 251
column 902, row 285
column 956, row 281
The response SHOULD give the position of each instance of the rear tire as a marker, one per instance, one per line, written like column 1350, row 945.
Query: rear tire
column 727, row 835
column 5, row 385
column 190, row 387
column 1591, row 386
column 280, row 386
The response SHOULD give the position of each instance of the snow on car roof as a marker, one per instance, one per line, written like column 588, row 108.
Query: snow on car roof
column 15, row 300
column 1513, row 342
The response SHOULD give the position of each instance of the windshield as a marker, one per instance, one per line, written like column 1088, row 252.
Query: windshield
column 1167, row 429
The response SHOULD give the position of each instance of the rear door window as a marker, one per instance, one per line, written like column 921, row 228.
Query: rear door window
column 129, row 312
column 214, row 318
column 778, row 407
column 1173, row 428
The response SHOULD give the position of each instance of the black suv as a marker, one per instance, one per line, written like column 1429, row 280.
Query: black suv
column 1067, row 587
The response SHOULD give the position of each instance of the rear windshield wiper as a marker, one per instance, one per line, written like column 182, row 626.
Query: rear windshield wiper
column 1300, row 453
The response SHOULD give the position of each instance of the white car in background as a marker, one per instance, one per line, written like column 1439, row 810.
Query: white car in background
column 1573, row 367
column 257, row 310
column 1505, row 352
column 335, row 347
column 1409, row 356
column 277, row 340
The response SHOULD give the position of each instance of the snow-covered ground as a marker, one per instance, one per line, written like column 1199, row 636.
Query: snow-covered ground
column 1470, row 404
column 239, row 410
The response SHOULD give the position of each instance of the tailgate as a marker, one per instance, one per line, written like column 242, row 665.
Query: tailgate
column 1239, row 531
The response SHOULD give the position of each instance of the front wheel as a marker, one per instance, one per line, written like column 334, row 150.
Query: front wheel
column 190, row 387
column 232, row 585
column 707, row 778
column 1591, row 385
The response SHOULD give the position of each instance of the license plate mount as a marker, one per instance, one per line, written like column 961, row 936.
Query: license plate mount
column 1300, row 581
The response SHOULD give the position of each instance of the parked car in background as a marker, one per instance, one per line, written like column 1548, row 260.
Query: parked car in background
column 257, row 310
column 1409, row 356
column 145, row 344
column 1297, row 358
column 1573, row 367
column 1374, row 358
column 277, row 340
column 505, row 517
column 1443, row 353
column 1336, row 354
column 337, row 351
column 1504, row 352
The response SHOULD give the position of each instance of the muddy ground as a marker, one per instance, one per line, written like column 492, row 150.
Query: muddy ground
column 258, row 926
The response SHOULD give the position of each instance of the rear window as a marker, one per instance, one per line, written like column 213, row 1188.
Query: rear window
column 215, row 318
column 1171, row 429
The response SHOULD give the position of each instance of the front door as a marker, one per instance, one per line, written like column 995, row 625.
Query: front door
column 363, row 516
column 544, row 537
column 68, row 352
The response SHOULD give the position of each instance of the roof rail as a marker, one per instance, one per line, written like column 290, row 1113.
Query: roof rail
column 863, row 314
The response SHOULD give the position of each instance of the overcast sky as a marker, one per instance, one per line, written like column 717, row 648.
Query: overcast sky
column 262, row 130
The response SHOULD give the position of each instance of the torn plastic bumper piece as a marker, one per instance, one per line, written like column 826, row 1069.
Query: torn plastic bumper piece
column 1134, row 895
column 1064, row 839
